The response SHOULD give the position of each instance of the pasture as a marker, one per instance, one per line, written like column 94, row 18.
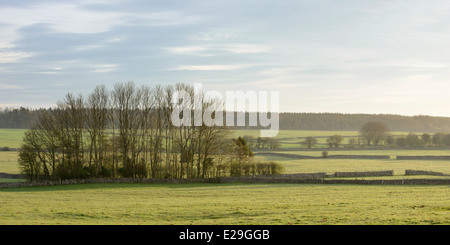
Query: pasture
column 357, row 165
column 225, row 204
column 291, row 138
column 11, row 138
column 8, row 162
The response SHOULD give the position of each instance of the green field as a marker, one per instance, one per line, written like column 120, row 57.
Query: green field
column 357, row 165
column 8, row 162
column 226, row 204
column 11, row 138
column 387, row 152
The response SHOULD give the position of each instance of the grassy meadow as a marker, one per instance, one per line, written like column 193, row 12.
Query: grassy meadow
column 357, row 165
column 292, row 138
column 226, row 204
column 11, row 138
column 238, row 203
column 8, row 162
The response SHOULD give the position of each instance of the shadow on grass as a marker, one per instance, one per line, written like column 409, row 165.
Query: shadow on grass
column 78, row 187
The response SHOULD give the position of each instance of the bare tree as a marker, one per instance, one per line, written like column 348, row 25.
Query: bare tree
column 374, row 132
column 129, row 132
column 126, row 107
column 309, row 142
column 334, row 140
column 96, row 126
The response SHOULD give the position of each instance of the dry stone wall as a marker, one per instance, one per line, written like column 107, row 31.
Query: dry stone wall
column 422, row 172
column 359, row 157
column 12, row 176
column 295, row 156
column 364, row 174
column 423, row 157
column 256, row 179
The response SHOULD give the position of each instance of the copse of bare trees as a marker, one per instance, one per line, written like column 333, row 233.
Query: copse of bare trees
column 128, row 132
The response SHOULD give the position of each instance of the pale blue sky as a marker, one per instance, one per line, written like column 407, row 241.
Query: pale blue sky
column 347, row 56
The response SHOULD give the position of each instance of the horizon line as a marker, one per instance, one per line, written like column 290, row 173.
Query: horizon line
column 2, row 109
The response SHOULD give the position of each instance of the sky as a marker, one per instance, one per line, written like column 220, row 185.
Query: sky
column 346, row 56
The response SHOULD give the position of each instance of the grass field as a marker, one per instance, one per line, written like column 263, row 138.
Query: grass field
column 3, row 180
column 8, row 162
column 356, row 165
column 248, row 204
column 292, row 138
column 225, row 204
column 387, row 152
column 11, row 138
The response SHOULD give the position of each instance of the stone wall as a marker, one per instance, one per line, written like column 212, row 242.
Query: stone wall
column 255, row 179
column 364, row 174
column 295, row 156
column 422, row 172
column 359, row 157
column 12, row 176
column 423, row 157
column 305, row 175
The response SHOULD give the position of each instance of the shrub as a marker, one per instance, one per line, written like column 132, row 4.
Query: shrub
column 249, row 168
column 235, row 169
column 105, row 172
column 141, row 170
column 269, row 168
column 276, row 168
column 324, row 154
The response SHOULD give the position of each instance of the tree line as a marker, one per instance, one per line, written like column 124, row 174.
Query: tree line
column 262, row 142
column 26, row 117
column 353, row 122
column 128, row 132
column 20, row 118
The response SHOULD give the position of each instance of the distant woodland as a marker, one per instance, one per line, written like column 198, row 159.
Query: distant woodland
column 24, row 118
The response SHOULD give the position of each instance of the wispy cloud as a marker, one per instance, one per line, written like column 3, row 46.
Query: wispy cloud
column 67, row 18
column 88, row 47
column 4, row 86
column 10, row 56
column 164, row 18
column 210, row 67
column 246, row 48
column 216, row 35
column 102, row 2
column 74, row 18
column 188, row 49
column 211, row 50
column 105, row 68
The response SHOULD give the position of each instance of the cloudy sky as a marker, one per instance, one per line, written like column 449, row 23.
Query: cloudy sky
column 350, row 56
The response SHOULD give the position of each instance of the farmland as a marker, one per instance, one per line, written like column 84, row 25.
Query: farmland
column 240, row 203
column 279, row 204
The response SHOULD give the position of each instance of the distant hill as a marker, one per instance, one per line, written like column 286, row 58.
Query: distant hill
column 25, row 118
